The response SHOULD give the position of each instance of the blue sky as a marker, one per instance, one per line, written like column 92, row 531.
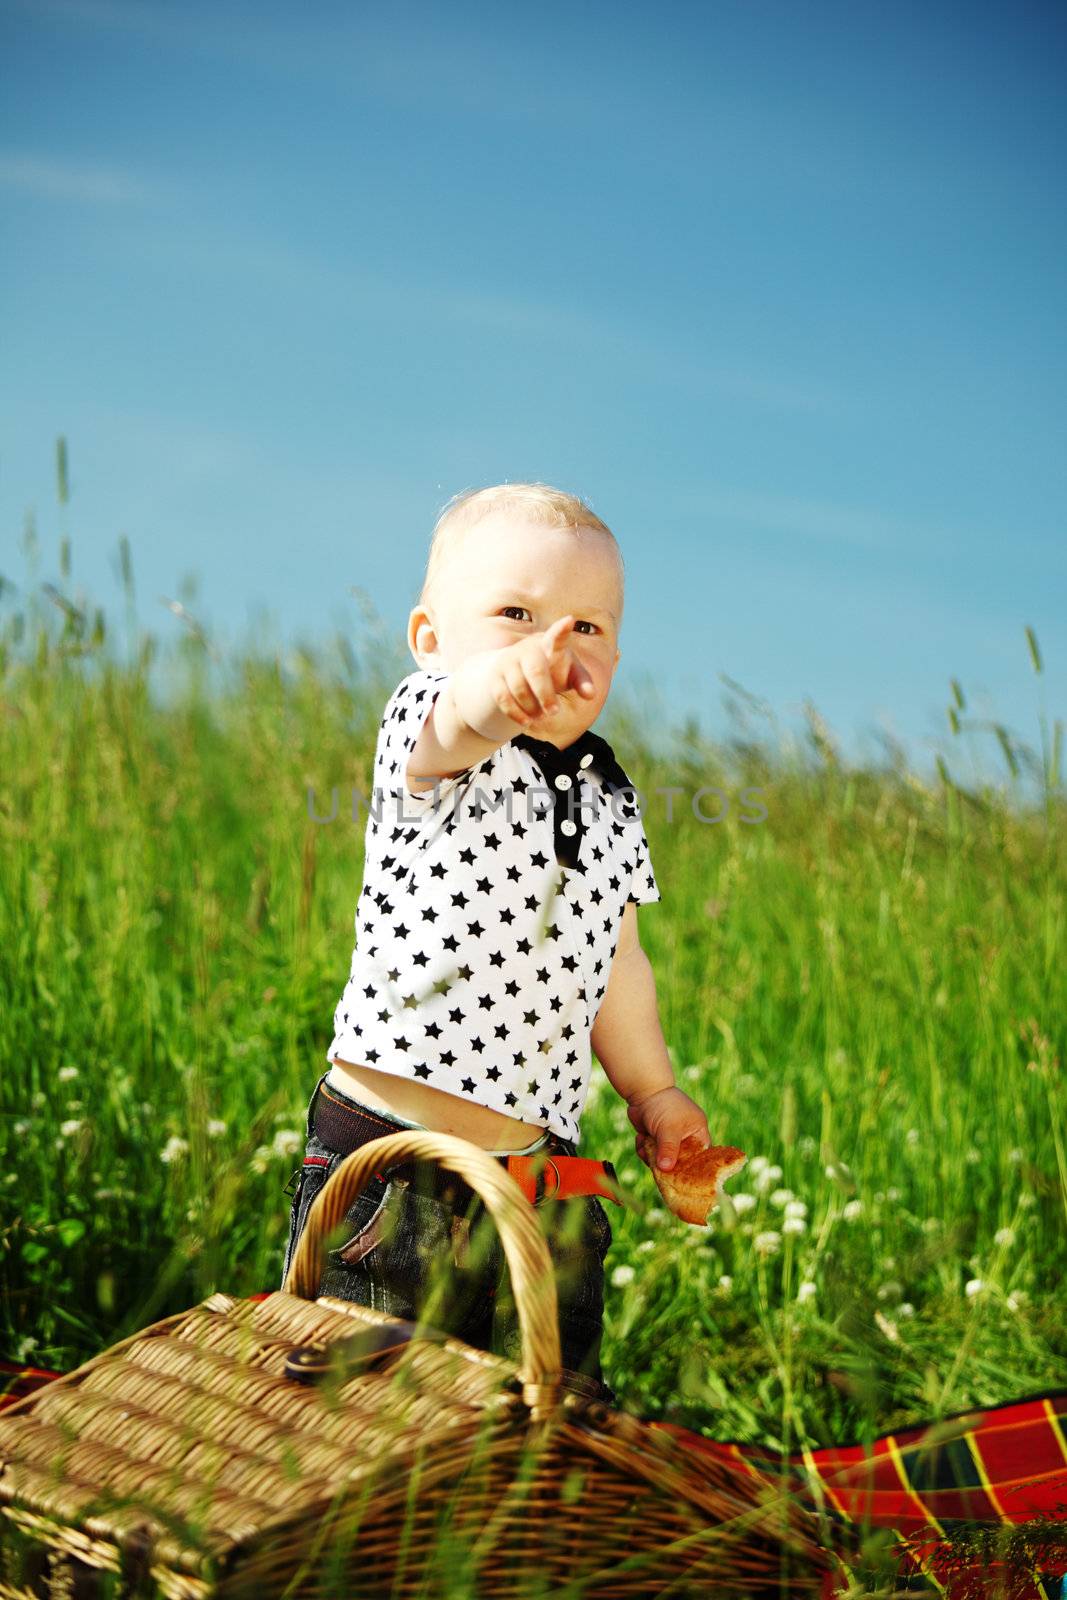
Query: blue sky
column 778, row 289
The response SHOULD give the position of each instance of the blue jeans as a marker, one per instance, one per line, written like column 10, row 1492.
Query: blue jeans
column 415, row 1255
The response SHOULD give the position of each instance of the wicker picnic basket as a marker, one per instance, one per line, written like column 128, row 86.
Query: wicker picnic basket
column 301, row 1445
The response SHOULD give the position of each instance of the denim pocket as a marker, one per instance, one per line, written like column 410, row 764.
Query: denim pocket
column 364, row 1223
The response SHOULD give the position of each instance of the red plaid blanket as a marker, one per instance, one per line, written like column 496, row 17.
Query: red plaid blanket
column 974, row 1501
column 948, row 1491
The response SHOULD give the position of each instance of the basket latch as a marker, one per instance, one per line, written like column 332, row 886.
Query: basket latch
column 309, row 1363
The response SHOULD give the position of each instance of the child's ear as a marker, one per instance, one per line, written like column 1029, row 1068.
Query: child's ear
column 422, row 634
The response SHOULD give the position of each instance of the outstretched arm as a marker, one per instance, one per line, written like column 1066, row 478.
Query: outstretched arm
column 630, row 1046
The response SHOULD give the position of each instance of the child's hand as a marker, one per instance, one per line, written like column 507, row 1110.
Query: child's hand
column 662, row 1121
column 526, row 678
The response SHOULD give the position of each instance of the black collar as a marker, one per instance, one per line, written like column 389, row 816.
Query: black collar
column 587, row 752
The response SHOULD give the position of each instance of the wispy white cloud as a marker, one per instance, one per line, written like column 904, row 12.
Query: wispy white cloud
column 195, row 29
column 430, row 57
column 60, row 180
column 315, row 48
column 586, row 332
column 780, row 391
column 825, row 521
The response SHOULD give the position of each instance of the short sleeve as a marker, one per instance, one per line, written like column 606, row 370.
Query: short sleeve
column 402, row 721
column 644, row 889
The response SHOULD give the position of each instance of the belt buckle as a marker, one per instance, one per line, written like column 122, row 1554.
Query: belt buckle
column 540, row 1193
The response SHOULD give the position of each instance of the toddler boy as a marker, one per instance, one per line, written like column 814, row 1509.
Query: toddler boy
column 496, row 927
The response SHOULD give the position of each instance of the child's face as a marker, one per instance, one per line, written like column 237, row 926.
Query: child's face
column 509, row 579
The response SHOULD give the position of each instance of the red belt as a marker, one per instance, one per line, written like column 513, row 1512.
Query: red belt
column 561, row 1176
column 540, row 1176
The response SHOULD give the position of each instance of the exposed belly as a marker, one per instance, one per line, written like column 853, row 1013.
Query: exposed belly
column 437, row 1109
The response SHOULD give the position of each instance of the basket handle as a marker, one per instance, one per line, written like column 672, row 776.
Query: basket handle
column 529, row 1263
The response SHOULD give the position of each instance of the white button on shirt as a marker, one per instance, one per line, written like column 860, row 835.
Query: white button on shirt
column 480, row 963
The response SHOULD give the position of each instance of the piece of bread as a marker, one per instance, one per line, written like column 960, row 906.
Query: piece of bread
column 691, row 1187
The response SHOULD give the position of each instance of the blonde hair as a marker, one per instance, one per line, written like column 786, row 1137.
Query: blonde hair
column 539, row 503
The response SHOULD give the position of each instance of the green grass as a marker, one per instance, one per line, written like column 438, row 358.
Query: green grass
column 867, row 991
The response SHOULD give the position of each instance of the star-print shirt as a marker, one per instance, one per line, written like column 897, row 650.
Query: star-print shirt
column 481, row 961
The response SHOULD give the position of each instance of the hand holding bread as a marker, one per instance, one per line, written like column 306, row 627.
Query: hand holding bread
column 673, row 1140
column 692, row 1187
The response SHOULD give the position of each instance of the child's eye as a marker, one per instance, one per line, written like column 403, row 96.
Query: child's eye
column 580, row 623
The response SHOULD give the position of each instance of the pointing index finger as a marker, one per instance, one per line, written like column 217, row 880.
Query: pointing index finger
column 555, row 634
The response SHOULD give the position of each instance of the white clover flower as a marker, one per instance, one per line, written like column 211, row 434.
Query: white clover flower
column 912, row 1136
column 794, row 1225
column 973, row 1287
column 67, row 1074
column 890, row 1291
column 767, row 1243
column 767, row 1178
column 806, row 1291
column 973, row 1156
column 807, row 1146
column 781, row 1197
column 645, row 1246
column 905, row 1309
column 104, row 1194
column 1015, row 1156
column 757, row 1164
column 258, row 1163
column 12, row 1177
column 889, row 1264
column 852, row 1209
column 22, row 1126
column 726, row 1283
column 1004, row 1236
column 892, row 1195
column 743, row 1202
column 174, row 1149
column 1026, row 1199
column 68, row 1129
column 931, row 1224
column 287, row 1142
column 38, row 1099
column 622, row 1275
column 795, row 1208
column 693, row 1074
column 215, row 1128
column 656, row 1216
column 1014, row 1301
